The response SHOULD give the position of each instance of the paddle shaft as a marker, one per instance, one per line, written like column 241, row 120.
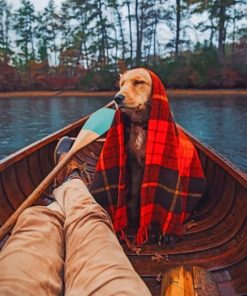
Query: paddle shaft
column 84, row 138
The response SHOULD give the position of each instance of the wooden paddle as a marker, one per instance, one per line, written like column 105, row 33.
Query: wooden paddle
column 97, row 124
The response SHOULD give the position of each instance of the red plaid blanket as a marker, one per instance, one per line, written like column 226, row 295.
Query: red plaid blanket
column 173, row 179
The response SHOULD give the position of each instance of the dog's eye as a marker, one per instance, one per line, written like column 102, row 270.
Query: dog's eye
column 139, row 82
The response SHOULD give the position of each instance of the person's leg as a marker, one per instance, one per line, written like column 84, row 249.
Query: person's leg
column 31, row 262
column 95, row 263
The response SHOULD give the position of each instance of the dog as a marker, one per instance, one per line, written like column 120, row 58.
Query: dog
column 133, row 99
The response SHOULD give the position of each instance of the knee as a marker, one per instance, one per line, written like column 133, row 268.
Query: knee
column 32, row 214
column 28, row 212
column 31, row 211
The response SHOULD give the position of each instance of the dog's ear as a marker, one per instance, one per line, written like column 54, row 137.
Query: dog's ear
column 120, row 77
column 117, row 84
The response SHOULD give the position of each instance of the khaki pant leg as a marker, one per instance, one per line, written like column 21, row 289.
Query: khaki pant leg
column 95, row 263
column 31, row 262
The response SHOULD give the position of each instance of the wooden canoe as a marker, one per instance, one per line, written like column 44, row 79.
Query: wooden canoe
column 218, row 241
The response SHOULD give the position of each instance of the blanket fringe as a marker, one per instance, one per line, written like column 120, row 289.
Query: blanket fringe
column 142, row 235
column 123, row 237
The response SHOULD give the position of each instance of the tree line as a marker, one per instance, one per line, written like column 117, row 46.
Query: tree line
column 84, row 44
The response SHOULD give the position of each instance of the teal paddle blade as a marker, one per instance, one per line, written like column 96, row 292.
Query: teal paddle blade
column 100, row 121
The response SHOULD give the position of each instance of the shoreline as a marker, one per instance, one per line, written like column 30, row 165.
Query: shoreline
column 78, row 93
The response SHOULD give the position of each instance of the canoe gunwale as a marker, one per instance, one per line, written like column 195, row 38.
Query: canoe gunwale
column 219, row 159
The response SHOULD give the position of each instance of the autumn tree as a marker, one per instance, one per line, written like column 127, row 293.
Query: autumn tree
column 177, row 19
column 128, row 3
column 236, row 16
column 101, row 30
column 144, row 18
column 155, row 15
column 65, row 27
column 139, row 20
column 81, row 33
column 46, row 32
column 119, row 28
column 8, row 74
column 221, row 13
column 24, row 22
column 5, row 17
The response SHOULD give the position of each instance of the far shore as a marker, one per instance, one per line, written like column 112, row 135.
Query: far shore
column 78, row 93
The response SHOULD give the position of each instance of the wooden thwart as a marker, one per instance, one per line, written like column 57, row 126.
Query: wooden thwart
column 188, row 281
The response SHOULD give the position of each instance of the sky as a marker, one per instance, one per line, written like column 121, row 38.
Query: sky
column 39, row 4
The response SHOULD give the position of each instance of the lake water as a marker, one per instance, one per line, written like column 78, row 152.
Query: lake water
column 219, row 122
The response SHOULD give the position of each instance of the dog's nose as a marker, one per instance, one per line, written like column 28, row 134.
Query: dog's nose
column 119, row 98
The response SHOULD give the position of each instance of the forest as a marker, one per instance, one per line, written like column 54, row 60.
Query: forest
column 85, row 44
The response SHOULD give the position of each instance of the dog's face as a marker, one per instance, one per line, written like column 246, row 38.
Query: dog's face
column 135, row 90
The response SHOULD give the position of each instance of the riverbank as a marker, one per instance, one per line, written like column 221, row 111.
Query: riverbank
column 78, row 93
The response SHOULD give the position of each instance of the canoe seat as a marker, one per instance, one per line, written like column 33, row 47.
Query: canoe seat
column 188, row 281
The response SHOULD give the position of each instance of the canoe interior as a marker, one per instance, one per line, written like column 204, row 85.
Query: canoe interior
column 217, row 242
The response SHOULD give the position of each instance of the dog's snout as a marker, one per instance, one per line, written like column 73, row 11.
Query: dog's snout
column 119, row 98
